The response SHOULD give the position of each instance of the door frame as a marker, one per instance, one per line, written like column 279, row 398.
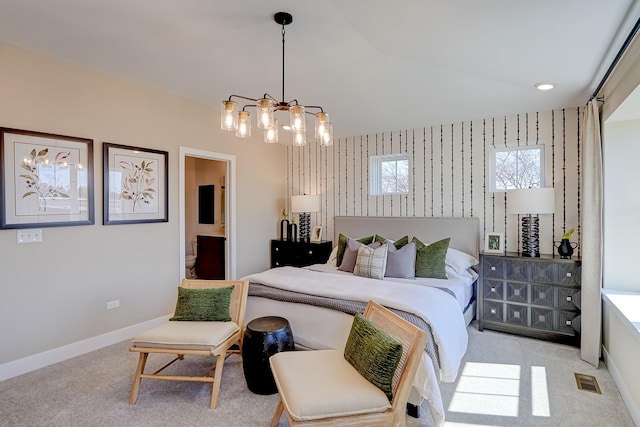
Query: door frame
column 230, row 206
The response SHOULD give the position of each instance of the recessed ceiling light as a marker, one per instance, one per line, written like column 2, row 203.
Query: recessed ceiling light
column 545, row 85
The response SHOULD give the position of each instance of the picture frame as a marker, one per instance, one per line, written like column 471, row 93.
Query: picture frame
column 316, row 234
column 135, row 182
column 46, row 180
column 494, row 243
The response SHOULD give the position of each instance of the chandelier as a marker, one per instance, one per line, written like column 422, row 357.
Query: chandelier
column 233, row 119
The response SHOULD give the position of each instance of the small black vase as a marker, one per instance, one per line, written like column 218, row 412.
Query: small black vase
column 284, row 228
column 565, row 248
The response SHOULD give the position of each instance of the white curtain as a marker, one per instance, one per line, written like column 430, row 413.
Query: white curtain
column 590, row 341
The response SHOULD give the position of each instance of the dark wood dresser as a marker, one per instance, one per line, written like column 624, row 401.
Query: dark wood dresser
column 299, row 254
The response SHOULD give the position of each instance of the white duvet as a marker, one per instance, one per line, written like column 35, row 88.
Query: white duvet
column 437, row 308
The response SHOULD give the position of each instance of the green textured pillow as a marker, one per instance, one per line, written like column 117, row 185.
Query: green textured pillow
column 202, row 305
column 342, row 244
column 430, row 259
column 397, row 243
column 373, row 353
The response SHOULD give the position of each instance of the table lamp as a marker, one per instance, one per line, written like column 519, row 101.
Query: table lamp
column 530, row 203
column 305, row 204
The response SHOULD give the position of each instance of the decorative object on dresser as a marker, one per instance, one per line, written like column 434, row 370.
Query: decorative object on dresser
column 305, row 204
column 529, row 202
column 537, row 297
column 565, row 247
column 494, row 243
column 284, row 226
column 316, row 234
column 299, row 254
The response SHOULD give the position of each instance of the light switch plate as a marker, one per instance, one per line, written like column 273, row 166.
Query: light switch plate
column 29, row 235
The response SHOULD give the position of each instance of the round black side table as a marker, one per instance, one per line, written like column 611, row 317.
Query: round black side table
column 264, row 337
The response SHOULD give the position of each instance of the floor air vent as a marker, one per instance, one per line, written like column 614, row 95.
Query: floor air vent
column 587, row 383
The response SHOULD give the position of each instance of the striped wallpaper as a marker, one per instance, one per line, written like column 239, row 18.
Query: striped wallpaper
column 449, row 173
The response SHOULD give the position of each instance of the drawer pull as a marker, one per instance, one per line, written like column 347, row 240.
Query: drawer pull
column 567, row 322
column 493, row 289
column 568, row 274
column 493, row 311
column 310, row 252
column 516, row 292
column 277, row 249
column 568, row 298
column 493, row 268
column 277, row 263
column 543, row 295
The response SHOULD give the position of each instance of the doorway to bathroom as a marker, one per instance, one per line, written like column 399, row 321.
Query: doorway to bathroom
column 207, row 208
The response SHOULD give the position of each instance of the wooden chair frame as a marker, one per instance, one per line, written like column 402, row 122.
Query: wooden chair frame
column 413, row 342
column 221, row 352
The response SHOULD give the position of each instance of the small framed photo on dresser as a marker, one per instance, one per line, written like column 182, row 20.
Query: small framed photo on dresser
column 316, row 234
column 494, row 243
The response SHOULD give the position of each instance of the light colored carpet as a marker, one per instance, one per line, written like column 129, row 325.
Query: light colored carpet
column 93, row 390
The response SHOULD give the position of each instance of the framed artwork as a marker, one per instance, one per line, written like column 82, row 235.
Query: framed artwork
column 316, row 233
column 46, row 180
column 135, row 185
column 494, row 243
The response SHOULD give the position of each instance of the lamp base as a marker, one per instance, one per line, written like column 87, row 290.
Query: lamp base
column 530, row 236
column 305, row 229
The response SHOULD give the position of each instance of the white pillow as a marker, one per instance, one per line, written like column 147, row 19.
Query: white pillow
column 371, row 262
column 333, row 257
column 459, row 261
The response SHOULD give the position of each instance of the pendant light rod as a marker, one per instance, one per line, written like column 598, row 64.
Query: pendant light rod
column 282, row 61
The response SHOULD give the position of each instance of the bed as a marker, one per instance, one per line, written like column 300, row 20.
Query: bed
column 319, row 300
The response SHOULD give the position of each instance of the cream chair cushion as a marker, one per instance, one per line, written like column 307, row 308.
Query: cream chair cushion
column 186, row 335
column 332, row 388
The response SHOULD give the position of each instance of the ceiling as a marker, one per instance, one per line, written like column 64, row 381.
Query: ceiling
column 373, row 65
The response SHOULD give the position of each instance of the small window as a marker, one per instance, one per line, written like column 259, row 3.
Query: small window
column 389, row 174
column 517, row 167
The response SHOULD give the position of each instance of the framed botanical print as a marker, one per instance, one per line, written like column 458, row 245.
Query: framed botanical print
column 46, row 180
column 135, row 185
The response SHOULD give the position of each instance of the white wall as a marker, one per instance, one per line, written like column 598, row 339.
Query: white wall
column 621, row 151
column 448, row 171
column 621, row 349
column 54, row 293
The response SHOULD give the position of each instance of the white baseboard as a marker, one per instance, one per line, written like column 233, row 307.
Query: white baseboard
column 49, row 357
column 634, row 411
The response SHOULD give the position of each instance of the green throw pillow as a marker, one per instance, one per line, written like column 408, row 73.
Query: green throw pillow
column 430, row 259
column 397, row 243
column 342, row 245
column 202, row 305
column 373, row 353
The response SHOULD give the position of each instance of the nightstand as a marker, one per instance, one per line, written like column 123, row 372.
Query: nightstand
column 537, row 297
column 299, row 254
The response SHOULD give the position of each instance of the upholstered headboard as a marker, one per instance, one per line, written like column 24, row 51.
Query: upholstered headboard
column 462, row 231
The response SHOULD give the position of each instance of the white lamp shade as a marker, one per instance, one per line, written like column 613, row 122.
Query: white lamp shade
column 305, row 203
column 531, row 201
